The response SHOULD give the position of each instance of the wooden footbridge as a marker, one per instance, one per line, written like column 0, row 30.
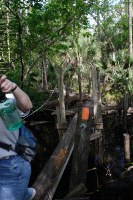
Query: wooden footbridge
column 82, row 129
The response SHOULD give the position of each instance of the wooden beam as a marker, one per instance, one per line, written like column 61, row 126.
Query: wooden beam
column 81, row 146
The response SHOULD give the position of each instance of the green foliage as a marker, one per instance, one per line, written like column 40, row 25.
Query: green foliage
column 38, row 98
column 51, row 31
column 111, row 98
column 131, row 61
column 52, row 79
column 14, row 75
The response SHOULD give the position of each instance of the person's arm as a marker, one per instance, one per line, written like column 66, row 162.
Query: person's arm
column 22, row 99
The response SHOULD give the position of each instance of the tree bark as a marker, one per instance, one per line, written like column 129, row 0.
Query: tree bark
column 44, row 75
column 61, row 95
column 130, row 26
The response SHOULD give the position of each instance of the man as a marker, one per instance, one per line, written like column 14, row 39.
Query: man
column 14, row 171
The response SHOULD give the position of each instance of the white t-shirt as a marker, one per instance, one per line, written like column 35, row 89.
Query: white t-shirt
column 9, row 137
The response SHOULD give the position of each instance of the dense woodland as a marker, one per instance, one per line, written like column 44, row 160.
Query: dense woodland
column 64, row 53
column 48, row 43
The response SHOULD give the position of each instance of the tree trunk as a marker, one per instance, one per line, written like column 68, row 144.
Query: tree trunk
column 61, row 95
column 125, row 111
column 44, row 75
column 62, row 111
column 95, row 91
column 130, row 26
column 79, row 83
column 8, row 37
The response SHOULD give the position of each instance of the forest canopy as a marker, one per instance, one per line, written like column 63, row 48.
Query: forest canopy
column 42, row 41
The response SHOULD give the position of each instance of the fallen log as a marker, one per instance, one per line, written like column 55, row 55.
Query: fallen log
column 48, row 180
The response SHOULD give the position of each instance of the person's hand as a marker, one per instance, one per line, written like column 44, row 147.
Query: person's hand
column 6, row 85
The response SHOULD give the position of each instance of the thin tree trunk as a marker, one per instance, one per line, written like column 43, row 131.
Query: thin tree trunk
column 130, row 26
column 79, row 83
column 95, row 91
column 125, row 108
column 44, row 75
column 62, row 111
column 79, row 59
column 8, row 36
column 61, row 95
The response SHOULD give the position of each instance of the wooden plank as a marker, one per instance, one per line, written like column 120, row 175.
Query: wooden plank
column 81, row 148
column 48, row 180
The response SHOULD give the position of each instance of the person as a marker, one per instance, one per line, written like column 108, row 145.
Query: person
column 14, row 170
